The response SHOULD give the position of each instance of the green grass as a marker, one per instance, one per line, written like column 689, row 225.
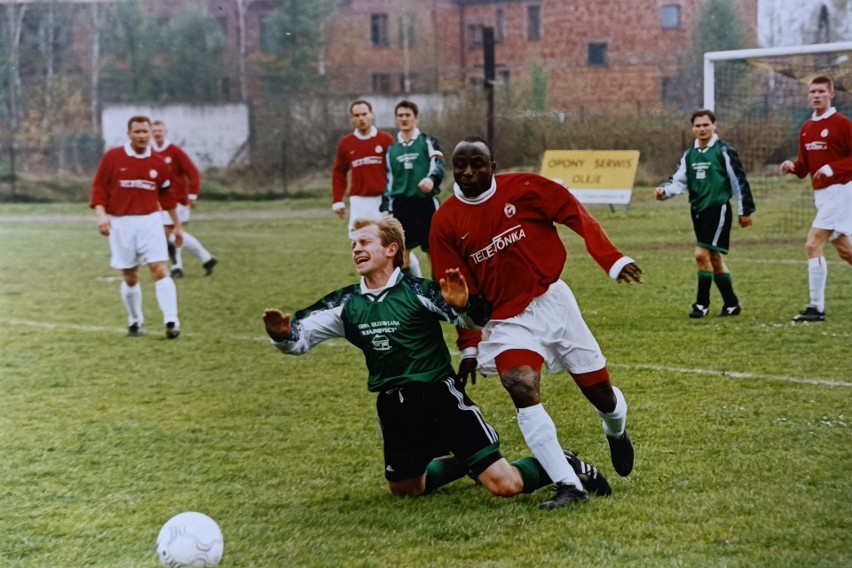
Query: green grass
column 741, row 425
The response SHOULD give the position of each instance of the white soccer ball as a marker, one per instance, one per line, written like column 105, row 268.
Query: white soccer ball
column 190, row 540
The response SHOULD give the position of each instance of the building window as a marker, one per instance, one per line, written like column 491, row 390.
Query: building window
column 379, row 30
column 670, row 16
column 533, row 23
column 597, row 54
column 500, row 26
column 475, row 33
column 503, row 76
column 382, row 83
column 668, row 90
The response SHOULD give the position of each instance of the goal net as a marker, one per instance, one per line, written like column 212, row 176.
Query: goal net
column 759, row 97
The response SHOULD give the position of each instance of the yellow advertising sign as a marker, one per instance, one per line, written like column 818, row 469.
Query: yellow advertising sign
column 593, row 176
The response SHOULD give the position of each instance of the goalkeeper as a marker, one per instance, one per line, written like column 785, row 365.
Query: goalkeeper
column 712, row 173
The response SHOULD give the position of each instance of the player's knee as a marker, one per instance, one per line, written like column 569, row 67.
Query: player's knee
column 402, row 489
column 501, row 479
column 505, row 487
column 522, row 385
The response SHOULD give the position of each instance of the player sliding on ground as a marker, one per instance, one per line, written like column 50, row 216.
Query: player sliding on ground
column 433, row 433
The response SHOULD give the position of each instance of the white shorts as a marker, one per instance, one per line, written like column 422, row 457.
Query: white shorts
column 834, row 209
column 183, row 213
column 552, row 326
column 364, row 208
column 137, row 239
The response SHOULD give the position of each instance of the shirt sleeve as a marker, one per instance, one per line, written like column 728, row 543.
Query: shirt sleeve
column 571, row 213
column 101, row 183
column 678, row 183
column 436, row 161
column 338, row 174
column 739, row 184
column 193, row 176
column 312, row 330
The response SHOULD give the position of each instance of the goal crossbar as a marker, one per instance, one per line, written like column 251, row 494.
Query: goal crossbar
column 711, row 57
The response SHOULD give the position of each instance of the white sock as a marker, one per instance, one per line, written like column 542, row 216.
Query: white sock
column 539, row 432
column 817, row 275
column 192, row 244
column 613, row 422
column 167, row 299
column 132, row 298
column 414, row 266
column 178, row 259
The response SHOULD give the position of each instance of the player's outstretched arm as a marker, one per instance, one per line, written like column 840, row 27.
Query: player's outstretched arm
column 630, row 273
column 454, row 288
column 277, row 324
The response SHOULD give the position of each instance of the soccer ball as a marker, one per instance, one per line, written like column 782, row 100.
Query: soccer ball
column 190, row 540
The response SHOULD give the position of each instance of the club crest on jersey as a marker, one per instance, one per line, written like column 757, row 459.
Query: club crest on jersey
column 169, row 160
column 153, row 174
column 509, row 210
column 379, row 150
column 381, row 343
column 824, row 132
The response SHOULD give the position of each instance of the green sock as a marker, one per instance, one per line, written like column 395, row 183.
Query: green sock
column 726, row 287
column 705, row 281
column 443, row 470
column 532, row 474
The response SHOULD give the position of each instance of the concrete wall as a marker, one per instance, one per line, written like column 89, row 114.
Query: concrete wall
column 213, row 136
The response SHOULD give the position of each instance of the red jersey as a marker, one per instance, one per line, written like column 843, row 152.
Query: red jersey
column 128, row 183
column 366, row 158
column 826, row 140
column 186, row 180
column 505, row 241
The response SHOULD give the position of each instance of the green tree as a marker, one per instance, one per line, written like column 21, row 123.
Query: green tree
column 131, row 42
column 718, row 27
column 193, row 68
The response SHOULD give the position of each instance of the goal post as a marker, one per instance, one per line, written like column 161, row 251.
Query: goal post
column 760, row 99
column 711, row 57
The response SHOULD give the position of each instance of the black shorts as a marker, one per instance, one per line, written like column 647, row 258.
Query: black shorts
column 713, row 227
column 415, row 215
column 423, row 421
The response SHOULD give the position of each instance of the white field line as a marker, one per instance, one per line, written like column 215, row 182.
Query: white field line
column 659, row 368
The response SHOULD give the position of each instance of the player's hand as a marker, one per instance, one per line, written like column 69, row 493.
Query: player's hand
column 630, row 273
column 745, row 221
column 103, row 222
column 788, row 167
column 426, row 185
column 178, row 235
column 660, row 193
column 467, row 370
column 340, row 212
column 454, row 288
column 278, row 325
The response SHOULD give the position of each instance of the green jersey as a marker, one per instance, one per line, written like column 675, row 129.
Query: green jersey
column 712, row 176
column 397, row 328
column 409, row 162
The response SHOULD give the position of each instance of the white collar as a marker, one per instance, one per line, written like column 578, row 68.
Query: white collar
column 373, row 132
column 414, row 135
column 392, row 279
column 713, row 140
column 826, row 114
column 128, row 149
column 166, row 144
column 481, row 198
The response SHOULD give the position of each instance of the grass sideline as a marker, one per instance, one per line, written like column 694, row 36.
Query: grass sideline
column 741, row 424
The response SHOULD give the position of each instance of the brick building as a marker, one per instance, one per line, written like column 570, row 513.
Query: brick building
column 613, row 54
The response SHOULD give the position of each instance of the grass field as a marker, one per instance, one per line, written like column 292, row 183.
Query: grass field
column 741, row 425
